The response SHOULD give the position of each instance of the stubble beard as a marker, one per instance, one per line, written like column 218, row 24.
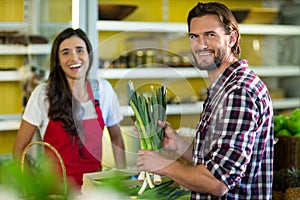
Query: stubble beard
column 207, row 64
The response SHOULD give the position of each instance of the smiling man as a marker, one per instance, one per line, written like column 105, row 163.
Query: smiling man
column 232, row 153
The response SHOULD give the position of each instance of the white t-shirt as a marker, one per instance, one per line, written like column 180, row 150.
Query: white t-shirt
column 36, row 111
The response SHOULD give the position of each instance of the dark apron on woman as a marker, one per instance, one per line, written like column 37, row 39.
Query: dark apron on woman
column 77, row 160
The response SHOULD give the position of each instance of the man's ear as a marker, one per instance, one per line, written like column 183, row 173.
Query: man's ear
column 233, row 38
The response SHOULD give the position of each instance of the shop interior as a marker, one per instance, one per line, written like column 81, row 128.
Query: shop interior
column 145, row 42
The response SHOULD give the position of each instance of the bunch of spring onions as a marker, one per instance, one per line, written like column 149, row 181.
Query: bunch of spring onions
column 148, row 110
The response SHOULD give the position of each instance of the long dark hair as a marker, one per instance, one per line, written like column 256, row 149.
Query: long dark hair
column 62, row 105
column 226, row 18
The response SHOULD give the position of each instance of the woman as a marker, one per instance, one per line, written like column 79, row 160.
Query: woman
column 68, row 112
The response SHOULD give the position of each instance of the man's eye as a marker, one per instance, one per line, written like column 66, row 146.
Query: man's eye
column 193, row 36
column 211, row 34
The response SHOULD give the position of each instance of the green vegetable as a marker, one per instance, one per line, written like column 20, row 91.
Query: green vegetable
column 279, row 122
column 148, row 110
column 287, row 125
column 35, row 183
column 167, row 190
column 293, row 122
column 284, row 132
column 296, row 112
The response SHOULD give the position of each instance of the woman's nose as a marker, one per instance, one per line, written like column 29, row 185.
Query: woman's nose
column 74, row 55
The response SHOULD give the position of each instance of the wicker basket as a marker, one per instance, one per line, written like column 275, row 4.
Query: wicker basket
column 286, row 152
column 277, row 195
column 292, row 193
column 60, row 160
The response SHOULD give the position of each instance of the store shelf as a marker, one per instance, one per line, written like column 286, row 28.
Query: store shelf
column 33, row 49
column 172, row 109
column 150, row 73
column 190, row 72
column 55, row 25
column 9, row 122
column 13, row 26
column 12, row 122
column 196, row 108
column 135, row 26
column 10, row 75
column 288, row 103
column 184, row 109
column 170, row 27
column 270, row 29
column 277, row 71
column 184, row 72
column 9, row 125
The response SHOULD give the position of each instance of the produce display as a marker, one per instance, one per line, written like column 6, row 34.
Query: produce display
column 148, row 110
column 288, row 125
column 126, row 183
column 167, row 190
column 286, row 184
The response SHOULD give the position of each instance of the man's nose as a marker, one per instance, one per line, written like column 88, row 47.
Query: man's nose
column 202, row 42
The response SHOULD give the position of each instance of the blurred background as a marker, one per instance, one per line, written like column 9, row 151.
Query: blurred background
column 146, row 42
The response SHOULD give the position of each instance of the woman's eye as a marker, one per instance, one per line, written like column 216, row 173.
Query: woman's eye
column 80, row 50
column 65, row 53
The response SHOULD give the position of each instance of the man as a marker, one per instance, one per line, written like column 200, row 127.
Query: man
column 232, row 154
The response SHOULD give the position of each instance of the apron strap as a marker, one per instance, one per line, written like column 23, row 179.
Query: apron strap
column 95, row 89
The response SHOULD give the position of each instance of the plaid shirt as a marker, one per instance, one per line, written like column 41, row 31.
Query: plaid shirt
column 235, row 135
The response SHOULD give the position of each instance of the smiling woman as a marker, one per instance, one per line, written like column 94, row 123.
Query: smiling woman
column 76, row 66
column 74, row 59
column 71, row 111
